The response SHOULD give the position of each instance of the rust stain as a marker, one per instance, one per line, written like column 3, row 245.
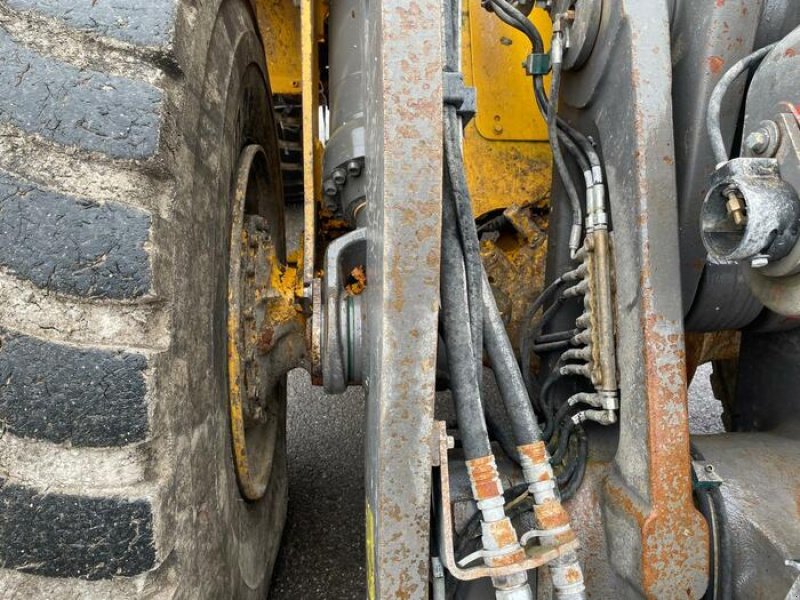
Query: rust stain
column 358, row 281
column 790, row 52
column 715, row 64
column 265, row 340
column 537, row 452
column 502, row 532
column 720, row 3
column 483, row 475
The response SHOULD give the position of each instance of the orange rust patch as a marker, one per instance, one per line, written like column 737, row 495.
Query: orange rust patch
column 358, row 281
column 507, row 559
column 715, row 64
column 483, row 474
column 551, row 514
column 537, row 452
column 502, row 532
column 573, row 575
column 790, row 52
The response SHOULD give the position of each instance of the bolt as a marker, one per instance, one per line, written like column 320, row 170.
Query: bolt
column 736, row 206
column 451, row 442
column 759, row 262
column 758, row 141
column 329, row 188
column 709, row 468
column 339, row 176
column 354, row 168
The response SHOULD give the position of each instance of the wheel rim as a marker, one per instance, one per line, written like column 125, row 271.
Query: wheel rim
column 252, row 393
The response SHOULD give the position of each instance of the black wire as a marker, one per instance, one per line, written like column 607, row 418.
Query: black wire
column 525, row 341
column 551, row 346
column 557, row 336
column 579, row 472
column 712, row 506
column 558, row 448
column 545, row 405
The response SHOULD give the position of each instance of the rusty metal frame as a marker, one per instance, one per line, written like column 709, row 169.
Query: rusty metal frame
column 403, row 59
column 657, row 540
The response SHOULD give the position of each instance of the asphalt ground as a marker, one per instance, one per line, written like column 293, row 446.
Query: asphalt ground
column 322, row 556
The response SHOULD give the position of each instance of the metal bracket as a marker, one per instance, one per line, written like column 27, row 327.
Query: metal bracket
column 457, row 94
column 338, row 317
column 704, row 476
column 537, row 555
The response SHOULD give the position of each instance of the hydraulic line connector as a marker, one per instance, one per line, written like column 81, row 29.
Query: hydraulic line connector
column 498, row 536
column 552, row 520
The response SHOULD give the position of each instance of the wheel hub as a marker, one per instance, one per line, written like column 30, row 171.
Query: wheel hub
column 264, row 330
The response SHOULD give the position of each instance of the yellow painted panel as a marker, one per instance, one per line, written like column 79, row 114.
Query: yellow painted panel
column 507, row 109
column 279, row 22
column 501, row 170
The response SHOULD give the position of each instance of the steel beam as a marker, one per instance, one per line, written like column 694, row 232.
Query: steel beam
column 657, row 541
column 403, row 61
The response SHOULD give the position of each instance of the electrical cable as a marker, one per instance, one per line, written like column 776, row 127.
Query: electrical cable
column 715, row 101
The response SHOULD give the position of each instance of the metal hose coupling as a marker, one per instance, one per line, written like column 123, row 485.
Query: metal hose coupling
column 552, row 520
column 498, row 536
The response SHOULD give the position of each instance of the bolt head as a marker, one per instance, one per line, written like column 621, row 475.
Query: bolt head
column 339, row 176
column 759, row 262
column 329, row 188
column 758, row 141
column 354, row 168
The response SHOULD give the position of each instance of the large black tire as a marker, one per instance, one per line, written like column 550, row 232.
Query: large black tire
column 120, row 127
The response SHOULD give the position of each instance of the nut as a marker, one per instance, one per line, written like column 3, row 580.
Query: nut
column 758, row 141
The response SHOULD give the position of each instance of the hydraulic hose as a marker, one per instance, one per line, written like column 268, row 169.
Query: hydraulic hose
column 467, row 233
column 555, row 145
column 464, row 383
column 507, row 373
